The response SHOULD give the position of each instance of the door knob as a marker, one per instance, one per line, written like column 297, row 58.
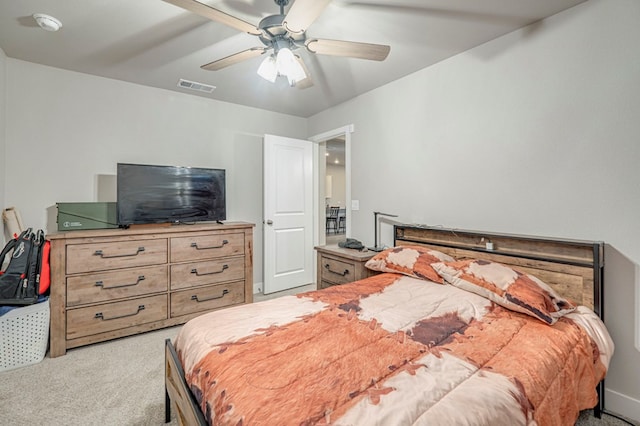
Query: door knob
column 269, row 222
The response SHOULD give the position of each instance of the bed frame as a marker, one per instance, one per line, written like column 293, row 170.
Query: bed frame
column 574, row 268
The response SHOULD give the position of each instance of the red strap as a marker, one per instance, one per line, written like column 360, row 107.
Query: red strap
column 45, row 271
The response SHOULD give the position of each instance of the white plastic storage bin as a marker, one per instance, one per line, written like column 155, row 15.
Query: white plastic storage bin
column 24, row 335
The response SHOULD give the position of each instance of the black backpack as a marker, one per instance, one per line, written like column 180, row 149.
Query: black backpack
column 20, row 281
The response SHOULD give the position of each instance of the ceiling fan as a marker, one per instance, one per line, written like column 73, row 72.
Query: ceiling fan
column 283, row 34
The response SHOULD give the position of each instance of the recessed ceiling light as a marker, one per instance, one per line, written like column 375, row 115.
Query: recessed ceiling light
column 46, row 22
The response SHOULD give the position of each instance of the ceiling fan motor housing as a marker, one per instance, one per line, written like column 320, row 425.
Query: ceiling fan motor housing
column 274, row 34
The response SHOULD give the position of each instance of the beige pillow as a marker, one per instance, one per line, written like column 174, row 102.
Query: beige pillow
column 414, row 261
column 507, row 287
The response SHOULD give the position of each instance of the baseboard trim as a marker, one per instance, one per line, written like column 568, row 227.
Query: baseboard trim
column 621, row 404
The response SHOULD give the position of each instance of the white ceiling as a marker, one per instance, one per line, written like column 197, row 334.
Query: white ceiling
column 154, row 43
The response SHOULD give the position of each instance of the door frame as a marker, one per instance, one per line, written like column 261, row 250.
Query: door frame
column 318, row 181
column 318, row 204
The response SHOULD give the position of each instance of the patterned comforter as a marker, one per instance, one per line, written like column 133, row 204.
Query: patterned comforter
column 391, row 350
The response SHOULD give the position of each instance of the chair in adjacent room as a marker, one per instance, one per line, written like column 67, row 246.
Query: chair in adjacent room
column 332, row 220
column 342, row 223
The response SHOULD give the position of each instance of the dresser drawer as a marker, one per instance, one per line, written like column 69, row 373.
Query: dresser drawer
column 115, row 255
column 206, row 247
column 206, row 298
column 114, row 316
column 336, row 271
column 194, row 274
column 106, row 286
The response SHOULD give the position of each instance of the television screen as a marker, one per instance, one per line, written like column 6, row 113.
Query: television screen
column 161, row 194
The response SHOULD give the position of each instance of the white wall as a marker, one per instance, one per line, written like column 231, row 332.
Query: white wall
column 338, row 185
column 66, row 131
column 536, row 132
column 3, row 114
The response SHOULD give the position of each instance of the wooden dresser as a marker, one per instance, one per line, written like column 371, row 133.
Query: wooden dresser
column 118, row 282
column 337, row 265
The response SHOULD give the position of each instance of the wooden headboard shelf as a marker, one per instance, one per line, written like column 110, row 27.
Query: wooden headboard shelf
column 575, row 252
column 574, row 268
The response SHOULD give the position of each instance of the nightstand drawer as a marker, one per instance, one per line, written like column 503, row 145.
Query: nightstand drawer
column 206, row 298
column 115, row 255
column 114, row 316
column 206, row 247
column 208, row 272
column 119, row 284
column 337, row 265
column 336, row 271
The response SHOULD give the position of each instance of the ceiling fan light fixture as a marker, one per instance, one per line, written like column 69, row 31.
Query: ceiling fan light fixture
column 47, row 22
column 289, row 67
column 296, row 76
column 268, row 69
column 296, row 73
column 283, row 63
column 284, row 58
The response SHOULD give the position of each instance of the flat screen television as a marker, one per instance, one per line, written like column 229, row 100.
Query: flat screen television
column 162, row 194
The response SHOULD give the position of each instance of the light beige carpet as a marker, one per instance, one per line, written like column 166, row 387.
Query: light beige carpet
column 120, row 382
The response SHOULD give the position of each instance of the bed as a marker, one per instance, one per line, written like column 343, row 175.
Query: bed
column 458, row 327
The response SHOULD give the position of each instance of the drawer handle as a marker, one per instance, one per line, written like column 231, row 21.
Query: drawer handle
column 101, row 284
column 328, row 268
column 99, row 315
column 195, row 271
column 195, row 245
column 102, row 255
column 195, row 296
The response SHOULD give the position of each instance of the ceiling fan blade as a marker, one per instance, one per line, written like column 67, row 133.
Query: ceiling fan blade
column 308, row 81
column 215, row 15
column 352, row 49
column 234, row 59
column 302, row 14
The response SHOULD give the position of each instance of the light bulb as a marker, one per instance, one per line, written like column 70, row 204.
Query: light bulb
column 268, row 69
column 296, row 72
column 289, row 66
column 284, row 61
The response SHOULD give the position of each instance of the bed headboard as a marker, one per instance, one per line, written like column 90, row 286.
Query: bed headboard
column 574, row 268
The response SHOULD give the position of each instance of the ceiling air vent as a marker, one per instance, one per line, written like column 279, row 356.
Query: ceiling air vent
column 186, row 84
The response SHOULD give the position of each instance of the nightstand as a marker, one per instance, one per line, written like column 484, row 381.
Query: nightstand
column 337, row 265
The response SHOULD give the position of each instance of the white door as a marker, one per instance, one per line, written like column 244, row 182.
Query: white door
column 288, row 213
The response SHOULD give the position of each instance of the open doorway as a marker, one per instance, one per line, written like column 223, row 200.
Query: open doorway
column 333, row 185
column 335, row 191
